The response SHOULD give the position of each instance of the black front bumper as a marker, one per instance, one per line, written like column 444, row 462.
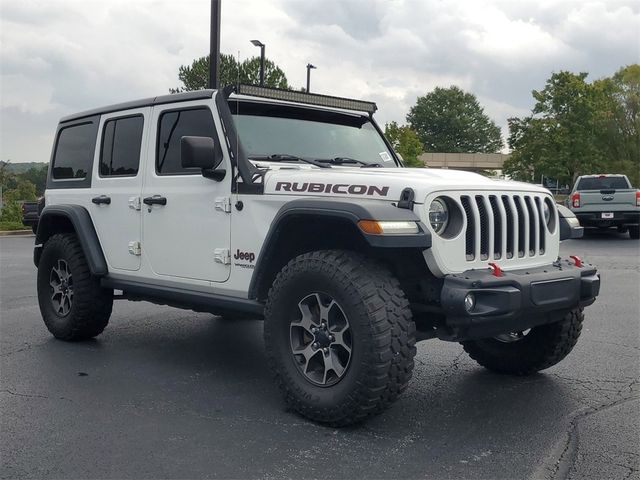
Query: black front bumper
column 516, row 301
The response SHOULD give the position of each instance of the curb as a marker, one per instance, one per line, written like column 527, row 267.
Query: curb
column 9, row 233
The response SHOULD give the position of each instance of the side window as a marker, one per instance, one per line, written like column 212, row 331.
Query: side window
column 121, row 144
column 74, row 152
column 172, row 127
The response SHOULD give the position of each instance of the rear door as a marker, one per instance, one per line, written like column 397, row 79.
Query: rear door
column 186, row 231
column 117, row 184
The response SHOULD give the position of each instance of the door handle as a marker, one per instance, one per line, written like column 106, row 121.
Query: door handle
column 102, row 199
column 155, row 200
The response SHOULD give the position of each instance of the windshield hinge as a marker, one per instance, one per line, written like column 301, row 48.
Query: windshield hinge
column 223, row 204
column 407, row 199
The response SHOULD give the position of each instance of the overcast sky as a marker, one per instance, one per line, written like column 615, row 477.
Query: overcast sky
column 62, row 56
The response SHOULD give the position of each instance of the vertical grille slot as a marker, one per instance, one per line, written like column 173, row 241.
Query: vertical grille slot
column 498, row 228
column 523, row 227
column 469, row 234
column 534, row 226
column 510, row 226
column 543, row 224
column 484, row 228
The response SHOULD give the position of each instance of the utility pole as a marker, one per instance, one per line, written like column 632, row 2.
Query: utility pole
column 214, row 46
column 309, row 67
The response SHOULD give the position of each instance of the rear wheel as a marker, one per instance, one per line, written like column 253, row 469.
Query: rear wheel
column 72, row 303
column 339, row 336
column 526, row 352
column 634, row 232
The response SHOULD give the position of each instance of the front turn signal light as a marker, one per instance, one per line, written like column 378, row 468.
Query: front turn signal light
column 375, row 227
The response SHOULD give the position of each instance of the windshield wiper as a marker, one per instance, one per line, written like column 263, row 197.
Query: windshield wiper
column 285, row 157
column 343, row 160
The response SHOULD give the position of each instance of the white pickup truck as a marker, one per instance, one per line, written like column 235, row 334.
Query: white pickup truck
column 606, row 201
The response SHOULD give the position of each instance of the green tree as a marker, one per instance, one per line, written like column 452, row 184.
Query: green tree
column 405, row 142
column 38, row 177
column 452, row 121
column 564, row 136
column 196, row 75
column 12, row 199
column 620, row 138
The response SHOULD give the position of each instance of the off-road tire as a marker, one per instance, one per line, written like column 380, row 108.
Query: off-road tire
column 91, row 306
column 383, row 336
column 634, row 232
column 541, row 348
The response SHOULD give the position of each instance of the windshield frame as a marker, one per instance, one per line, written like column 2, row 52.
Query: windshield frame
column 317, row 113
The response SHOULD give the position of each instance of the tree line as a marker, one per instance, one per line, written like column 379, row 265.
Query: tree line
column 19, row 185
column 575, row 127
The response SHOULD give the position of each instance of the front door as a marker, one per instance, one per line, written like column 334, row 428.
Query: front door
column 184, row 234
column 117, row 182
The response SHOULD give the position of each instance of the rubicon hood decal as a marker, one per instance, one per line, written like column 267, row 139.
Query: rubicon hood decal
column 339, row 188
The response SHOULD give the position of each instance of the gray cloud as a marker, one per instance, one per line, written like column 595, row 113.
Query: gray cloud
column 62, row 56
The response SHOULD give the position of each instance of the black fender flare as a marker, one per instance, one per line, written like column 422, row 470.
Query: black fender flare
column 352, row 212
column 83, row 227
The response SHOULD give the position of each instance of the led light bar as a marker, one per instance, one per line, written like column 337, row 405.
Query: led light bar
column 308, row 98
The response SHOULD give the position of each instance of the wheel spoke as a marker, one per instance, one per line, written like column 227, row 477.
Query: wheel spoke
column 340, row 340
column 307, row 321
column 332, row 364
column 325, row 309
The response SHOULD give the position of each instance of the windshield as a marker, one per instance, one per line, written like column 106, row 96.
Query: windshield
column 603, row 183
column 268, row 129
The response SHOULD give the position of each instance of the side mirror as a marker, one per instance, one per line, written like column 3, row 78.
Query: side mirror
column 201, row 152
column 569, row 224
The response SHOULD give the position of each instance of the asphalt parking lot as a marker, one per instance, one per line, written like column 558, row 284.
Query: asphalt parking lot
column 165, row 393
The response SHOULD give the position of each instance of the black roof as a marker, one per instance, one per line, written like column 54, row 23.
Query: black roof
column 145, row 102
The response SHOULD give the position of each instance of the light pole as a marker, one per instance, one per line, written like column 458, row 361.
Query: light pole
column 214, row 45
column 258, row 43
column 309, row 67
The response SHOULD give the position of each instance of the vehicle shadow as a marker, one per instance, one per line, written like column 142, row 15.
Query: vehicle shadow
column 209, row 374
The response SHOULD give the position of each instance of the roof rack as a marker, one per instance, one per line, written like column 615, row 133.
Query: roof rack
column 308, row 98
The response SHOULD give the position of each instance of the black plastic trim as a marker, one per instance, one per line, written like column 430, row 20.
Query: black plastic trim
column 184, row 298
column 83, row 228
column 516, row 301
column 353, row 212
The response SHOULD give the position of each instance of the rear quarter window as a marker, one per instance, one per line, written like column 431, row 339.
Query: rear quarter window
column 73, row 156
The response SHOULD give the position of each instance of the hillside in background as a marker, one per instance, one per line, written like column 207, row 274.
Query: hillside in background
column 18, row 168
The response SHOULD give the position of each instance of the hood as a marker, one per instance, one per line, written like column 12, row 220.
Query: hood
column 380, row 183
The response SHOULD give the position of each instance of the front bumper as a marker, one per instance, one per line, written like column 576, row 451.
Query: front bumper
column 516, row 301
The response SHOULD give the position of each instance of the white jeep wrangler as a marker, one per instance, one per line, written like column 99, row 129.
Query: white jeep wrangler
column 293, row 207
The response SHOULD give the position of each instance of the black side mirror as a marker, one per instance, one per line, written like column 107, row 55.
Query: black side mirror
column 203, row 153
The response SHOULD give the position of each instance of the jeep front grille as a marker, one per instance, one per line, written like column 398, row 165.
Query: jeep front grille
column 504, row 227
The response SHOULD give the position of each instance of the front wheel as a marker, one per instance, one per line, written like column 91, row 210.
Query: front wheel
column 72, row 303
column 524, row 353
column 339, row 336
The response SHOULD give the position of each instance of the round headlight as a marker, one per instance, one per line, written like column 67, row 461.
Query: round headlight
column 547, row 213
column 438, row 215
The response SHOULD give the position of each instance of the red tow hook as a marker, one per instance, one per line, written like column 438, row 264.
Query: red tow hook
column 577, row 261
column 496, row 271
